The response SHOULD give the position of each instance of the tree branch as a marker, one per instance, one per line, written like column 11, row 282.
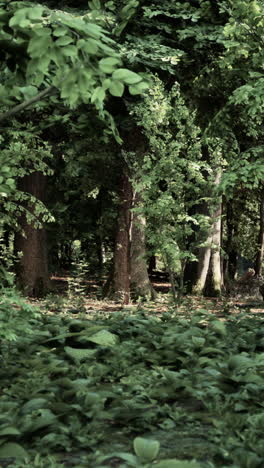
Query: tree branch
column 24, row 105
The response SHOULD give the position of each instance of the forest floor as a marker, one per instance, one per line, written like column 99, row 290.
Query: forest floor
column 65, row 289
column 90, row 376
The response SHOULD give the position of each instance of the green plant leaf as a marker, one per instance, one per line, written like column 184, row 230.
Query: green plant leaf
column 173, row 463
column 138, row 88
column 9, row 430
column 90, row 46
column 127, row 76
column 34, row 404
column 146, row 449
column 11, row 449
column 39, row 419
column 64, row 40
column 104, row 338
column 107, row 65
column 116, row 88
column 35, row 13
column 79, row 354
column 60, row 31
column 70, row 51
column 219, row 327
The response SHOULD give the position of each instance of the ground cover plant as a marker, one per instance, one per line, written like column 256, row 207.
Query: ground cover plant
column 131, row 389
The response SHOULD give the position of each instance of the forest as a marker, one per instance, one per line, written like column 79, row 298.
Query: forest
column 132, row 233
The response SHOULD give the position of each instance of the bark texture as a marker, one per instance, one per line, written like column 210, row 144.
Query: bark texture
column 203, row 266
column 209, row 278
column 32, row 267
column 140, row 285
column 217, row 282
column 230, row 268
column 260, row 252
column 121, row 274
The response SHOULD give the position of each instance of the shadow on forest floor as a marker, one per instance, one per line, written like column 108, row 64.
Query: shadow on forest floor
column 91, row 302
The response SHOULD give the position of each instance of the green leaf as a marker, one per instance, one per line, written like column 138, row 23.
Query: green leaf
column 39, row 419
column 127, row 76
column 239, row 362
column 198, row 341
column 79, row 354
column 92, row 398
column 84, row 81
column 107, row 65
column 104, row 338
column 90, row 46
column 116, row 88
column 43, row 64
column 34, row 404
column 219, row 327
column 63, row 41
column 60, row 31
column 35, row 13
column 38, row 46
column 9, row 430
column 170, row 463
column 70, row 51
column 146, row 449
column 211, row 350
column 95, row 4
column 98, row 95
column 93, row 30
column 11, row 449
column 29, row 91
column 138, row 88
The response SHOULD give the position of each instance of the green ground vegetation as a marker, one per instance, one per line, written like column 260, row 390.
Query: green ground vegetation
column 131, row 389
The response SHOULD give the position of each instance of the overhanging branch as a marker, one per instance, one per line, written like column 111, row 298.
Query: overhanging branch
column 24, row 105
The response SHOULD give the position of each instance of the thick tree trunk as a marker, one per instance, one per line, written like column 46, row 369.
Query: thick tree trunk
column 32, row 267
column 140, row 285
column 260, row 252
column 121, row 273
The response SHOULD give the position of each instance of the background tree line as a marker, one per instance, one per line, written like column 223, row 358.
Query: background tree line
column 132, row 129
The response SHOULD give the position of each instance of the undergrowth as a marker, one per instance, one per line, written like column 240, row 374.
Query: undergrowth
column 130, row 390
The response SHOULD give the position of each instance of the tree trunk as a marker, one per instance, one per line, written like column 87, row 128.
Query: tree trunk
column 152, row 265
column 121, row 274
column 32, row 267
column 231, row 227
column 203, row 266
column 209, row 276
column 217, row 282
column 260, row 252
column 140, row 284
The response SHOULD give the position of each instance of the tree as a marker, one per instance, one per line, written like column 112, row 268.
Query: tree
column 209, row 260
column 260, row 243
column 73, row 55
column 30, row 241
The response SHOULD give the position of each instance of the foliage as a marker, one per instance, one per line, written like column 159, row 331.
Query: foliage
column 22, row 152
column 68, row 51
column 17, row 317
column 98, row 382
column 171, row 175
